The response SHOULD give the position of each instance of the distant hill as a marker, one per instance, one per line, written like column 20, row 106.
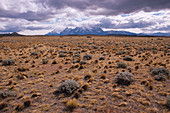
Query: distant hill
column 11, row 34
column 99, row 31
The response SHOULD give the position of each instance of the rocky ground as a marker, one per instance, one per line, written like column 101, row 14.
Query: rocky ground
column 106, row 74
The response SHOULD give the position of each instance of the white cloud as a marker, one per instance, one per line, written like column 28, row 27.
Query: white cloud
column 34, row 16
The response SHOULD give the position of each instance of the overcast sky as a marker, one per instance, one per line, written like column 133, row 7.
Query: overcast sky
column 42, row 16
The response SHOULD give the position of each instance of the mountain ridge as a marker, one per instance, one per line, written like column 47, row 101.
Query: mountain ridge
column 99, row 31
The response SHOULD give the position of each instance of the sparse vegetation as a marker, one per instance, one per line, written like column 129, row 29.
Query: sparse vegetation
column 80, row 74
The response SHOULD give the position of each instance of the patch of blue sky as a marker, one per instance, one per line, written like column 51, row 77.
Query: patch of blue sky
column 125, row 15
column 78, row 20
column 58, row 19
column 48, row 22
column 84, row 19
column 157, row 14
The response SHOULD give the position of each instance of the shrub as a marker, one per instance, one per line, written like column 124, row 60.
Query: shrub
column 102, row 58
column 5, row 94
column 62, row 55
column 82, row 62
column 128, row 58
column 168, row 102
column 121, row 52
column 8, row 62
column 44, row 61
column 160, row 77
column 62, row 51
column 89, row 37
column 160, row 70
column 34, row 53
column 77, row 56
column 121, row 65
column 68, row 87
column 3, row 105
column 87, row 57
column 124, row 78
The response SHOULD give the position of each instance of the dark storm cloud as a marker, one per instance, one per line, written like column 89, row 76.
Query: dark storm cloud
column 59, row 4
column 107, row 7
column 106, row 23
column 29, row 15
column 110, row 7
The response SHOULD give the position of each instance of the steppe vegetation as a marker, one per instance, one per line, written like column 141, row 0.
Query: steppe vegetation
column 108, row 74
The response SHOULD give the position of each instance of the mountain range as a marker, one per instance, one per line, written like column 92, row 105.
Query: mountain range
column 99, row 31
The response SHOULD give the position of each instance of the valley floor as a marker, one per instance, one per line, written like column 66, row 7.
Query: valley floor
column 40, row 63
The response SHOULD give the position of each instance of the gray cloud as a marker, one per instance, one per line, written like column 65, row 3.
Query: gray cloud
column 110, row 7
column 37, row 28
column 166, row 28
column 29, row 15
column 12, row 28
column 107, row 23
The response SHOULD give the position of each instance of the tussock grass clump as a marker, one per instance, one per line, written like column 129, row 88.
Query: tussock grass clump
column 124, row 78
column 8, row 62
column 68, row 87
column 72, row 104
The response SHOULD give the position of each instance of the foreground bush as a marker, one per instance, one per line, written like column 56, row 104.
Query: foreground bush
column 68, row 87
column 124, row 78
column 8, row 62
column 128, row 58
column 160, row 70
column 121, row 65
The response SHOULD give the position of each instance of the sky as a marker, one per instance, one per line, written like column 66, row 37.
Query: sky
column 38, row 17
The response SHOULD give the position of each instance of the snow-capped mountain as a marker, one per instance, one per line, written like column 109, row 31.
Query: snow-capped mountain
column 99, row 31
column 79, row 31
